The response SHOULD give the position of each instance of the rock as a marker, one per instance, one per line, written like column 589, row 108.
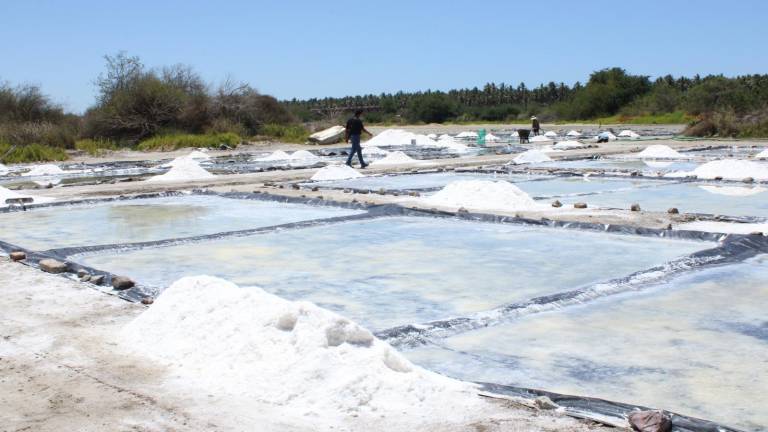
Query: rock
column 650, row 421
column 147, row 301
column 545, row 403
column 580, row 205
column 85, row 278
column 81, row 273
column 315, row 189
column 52, row 266
column 462, row 210
column 718, row 178
column 296, row 186
column 557, row 204
column 748, row 180
column 634, row 207
column 381, row 191
column 756, row 233
column 97, row 280
column 17, row 256
column 414, row 194
column 122, row 282
column 320, row 197
column 673, row 210
column 634, row 174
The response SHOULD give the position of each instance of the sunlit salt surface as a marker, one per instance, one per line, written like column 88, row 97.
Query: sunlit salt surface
column 401, row 270
column 418, row 181
column 697, row 345
column 731, row 199
column 647, row 167
column 149, row 219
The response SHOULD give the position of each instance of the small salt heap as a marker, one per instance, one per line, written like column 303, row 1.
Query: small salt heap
column 568, row 145
column 304, row 156
column 44, row 170
column 573, row 133
column 374, row 151
column 762, row 155
column 467, row 135
column 539, row 138
column 629, row 134
column 550, row 134
column 183, row 169
column 659, row 151
column 483, row 195
column 394, row 158
column 531, row 156
column 278, row 155
column 492, row 138
column 732, row 169
column 3, row 169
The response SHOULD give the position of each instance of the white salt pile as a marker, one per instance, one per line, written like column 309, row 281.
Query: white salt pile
column 531, row 156
column 606, row 134
column 444, row 136
column 629, row 134
column 9, row 194
column 483, row 195
column 452, row 145
column 724, row 227
column 540, row 138
column 394, row 158
column 737, row 191
column 336, row 172
column 44, row 170
column 568, row 145
column 732, row 169
column 432, row 136
column 658, row 151
column 304, row 156
column 183, row 168
column 374, row 151
column 278, row 155
column 492, row 138
column 304, row 361
column 762, row 155
column 467, row 135
column 3, row 169
column 514, row 134
column 550, row 134
column 396, row 137
column 573, row 133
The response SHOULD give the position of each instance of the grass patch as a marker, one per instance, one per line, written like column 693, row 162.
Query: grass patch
column 31, row 153
column 95, row 147
column 178, row 141
column 677, row 117
column 285, row 133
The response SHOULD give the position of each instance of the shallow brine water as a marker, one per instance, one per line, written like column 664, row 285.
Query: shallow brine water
column 648, row 167
column 400, row 270
column 418, row 181
column 731, row 200
column 150, row 219
column 697, row 345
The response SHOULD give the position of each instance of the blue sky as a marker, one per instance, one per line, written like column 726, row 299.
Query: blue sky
column 335, row 48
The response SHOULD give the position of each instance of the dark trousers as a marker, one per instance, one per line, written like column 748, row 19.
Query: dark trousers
column 356, row 148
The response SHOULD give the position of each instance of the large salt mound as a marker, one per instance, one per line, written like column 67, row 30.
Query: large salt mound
column 9, row 194
column 658, row 151
column 278, row 155
column 567, row 145
column 183, row 168
column 335, row 172
column 44, row 170
column 531, row 156
column 539, row 138
column 398, row 137
column 732, row 169
column 306, row 362
column 394, row 158
column 483, row 195
column 762, row 155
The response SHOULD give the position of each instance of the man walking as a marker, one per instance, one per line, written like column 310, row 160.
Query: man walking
column 535, row 125
column 354, row 129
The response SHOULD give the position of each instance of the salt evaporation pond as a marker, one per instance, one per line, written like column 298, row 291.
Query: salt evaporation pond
column 435, row 180
column 140, row 220
column 727, row 199
column 648, row 166
column 400, row 270
column 697, row 345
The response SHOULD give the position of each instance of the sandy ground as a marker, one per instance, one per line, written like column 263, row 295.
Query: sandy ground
column 61, row 368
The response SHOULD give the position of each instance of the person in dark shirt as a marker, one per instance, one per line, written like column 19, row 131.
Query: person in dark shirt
column 535, row 125
column 354, row 129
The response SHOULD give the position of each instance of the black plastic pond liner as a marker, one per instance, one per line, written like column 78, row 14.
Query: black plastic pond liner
column 578, row 404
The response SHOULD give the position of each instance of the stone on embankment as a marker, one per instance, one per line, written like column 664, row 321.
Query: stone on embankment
column 52, row 266
column 580, row 205
column 557, row 204
column 122, row 283
column 17, row 256
column 673, row 210
column 650, row 421
column 634, row 207
column 97, row 280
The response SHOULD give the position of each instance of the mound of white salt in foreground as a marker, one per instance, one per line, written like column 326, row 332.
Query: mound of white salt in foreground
column 9, row 194
column 483, row 195
column 44, row 170
column 659, row 151
column 336, row 172
column 762, row 155
column 732, row 169
column 278, row 155
column 531, row 156
column 182, row 169
column 394, row 158
column 295, row 357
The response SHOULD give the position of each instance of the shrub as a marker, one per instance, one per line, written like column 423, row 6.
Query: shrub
column 30, row 153
column 49, row 134
column 95, row 147
column 285, row 133
column 432, row 108
column 177, row 141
